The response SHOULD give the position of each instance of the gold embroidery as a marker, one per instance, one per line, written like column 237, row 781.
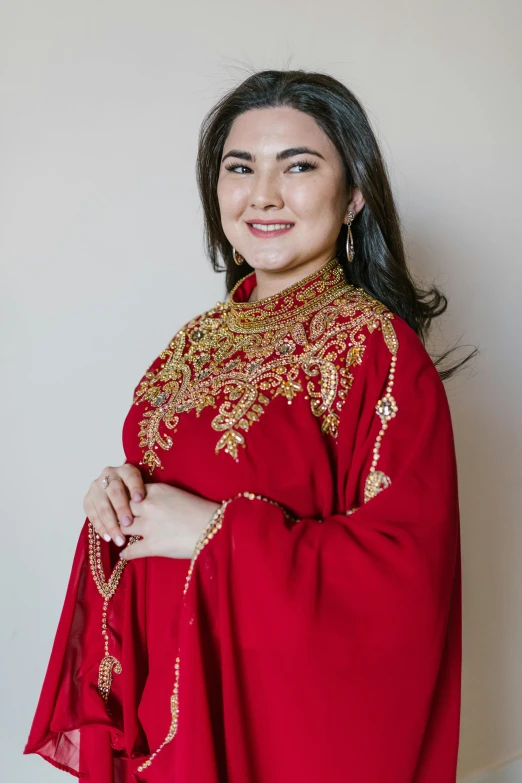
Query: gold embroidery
column 208, row 533
column 386, row 409
column 292, row 305
column 109, row 663
column 238, row 356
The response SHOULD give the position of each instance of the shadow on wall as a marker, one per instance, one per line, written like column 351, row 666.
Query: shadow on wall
column 488, row 471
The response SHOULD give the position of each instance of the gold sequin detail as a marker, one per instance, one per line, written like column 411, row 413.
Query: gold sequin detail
column 294, row 303
column 109, row 663
column 386, row 409
column 239, row 356
column 208, row 533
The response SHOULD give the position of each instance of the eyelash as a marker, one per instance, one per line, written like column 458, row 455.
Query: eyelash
column 308, row 163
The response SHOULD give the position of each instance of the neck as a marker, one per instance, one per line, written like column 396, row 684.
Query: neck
column 270, row 282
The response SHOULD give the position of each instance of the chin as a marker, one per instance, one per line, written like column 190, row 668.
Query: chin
column 274, row 264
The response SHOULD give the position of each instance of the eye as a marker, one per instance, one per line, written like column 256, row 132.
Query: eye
column 234, row 166
column 307, row 164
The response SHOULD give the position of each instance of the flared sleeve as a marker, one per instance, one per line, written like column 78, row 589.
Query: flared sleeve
column 333, row 643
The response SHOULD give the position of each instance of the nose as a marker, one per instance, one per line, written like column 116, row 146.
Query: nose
column 265, row 191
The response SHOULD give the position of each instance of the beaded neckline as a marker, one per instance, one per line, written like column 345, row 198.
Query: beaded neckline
column 295, row 303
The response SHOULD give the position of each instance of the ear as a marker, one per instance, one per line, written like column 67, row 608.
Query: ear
column 356, row 202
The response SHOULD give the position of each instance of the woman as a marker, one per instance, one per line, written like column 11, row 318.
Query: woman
column 287, row 603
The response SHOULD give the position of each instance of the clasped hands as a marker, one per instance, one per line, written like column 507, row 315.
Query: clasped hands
column 169, row 520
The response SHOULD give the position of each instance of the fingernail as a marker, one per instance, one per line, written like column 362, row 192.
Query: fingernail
column 107, row 537
column 126, row 521
column 120, row 540
column 137, row 496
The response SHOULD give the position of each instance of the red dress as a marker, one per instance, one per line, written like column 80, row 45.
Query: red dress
column 316, row 633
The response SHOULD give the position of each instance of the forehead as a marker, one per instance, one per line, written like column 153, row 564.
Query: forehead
column 276, row 128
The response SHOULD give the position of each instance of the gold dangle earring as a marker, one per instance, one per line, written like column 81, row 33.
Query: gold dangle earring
column 350, row 252
column 237, row 257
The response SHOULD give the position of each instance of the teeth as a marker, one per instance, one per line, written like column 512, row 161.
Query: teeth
column 271, row 227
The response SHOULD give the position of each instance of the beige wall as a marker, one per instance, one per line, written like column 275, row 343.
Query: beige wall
column 102, row 260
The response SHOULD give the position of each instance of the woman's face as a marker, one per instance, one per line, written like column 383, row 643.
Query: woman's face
column 305, row 190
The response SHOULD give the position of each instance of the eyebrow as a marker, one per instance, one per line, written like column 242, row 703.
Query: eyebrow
column 289, row 153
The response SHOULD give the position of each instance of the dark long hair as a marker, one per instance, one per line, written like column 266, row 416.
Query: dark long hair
column 379, row 265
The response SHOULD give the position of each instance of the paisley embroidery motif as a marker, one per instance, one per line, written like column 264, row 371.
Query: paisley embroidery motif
column 238, row 356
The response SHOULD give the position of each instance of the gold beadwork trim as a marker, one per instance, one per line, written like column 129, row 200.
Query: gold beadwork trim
column 215, row 524
column 296, row 302
column 386, row 409
column 328, row 267
column 109, row 664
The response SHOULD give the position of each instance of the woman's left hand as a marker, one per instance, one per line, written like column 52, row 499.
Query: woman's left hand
column 170, row 522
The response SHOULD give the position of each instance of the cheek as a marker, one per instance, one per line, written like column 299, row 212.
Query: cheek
column 232, row 196
column 314, row 200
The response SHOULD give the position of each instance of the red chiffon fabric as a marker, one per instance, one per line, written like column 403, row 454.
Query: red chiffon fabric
column 319, row 635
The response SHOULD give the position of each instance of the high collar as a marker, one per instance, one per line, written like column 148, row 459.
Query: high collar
column 294, row 303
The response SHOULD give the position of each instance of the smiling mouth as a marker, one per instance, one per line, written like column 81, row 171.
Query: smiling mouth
column 269, row 229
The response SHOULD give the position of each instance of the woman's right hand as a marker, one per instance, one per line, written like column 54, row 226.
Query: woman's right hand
column 108, row 509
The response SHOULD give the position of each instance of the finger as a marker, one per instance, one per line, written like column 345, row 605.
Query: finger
column 133, row 480
column 136, row 508
column 107, row 516
column 138, row 528
column 92, row 515
column 120, row 502
column 134, row 551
